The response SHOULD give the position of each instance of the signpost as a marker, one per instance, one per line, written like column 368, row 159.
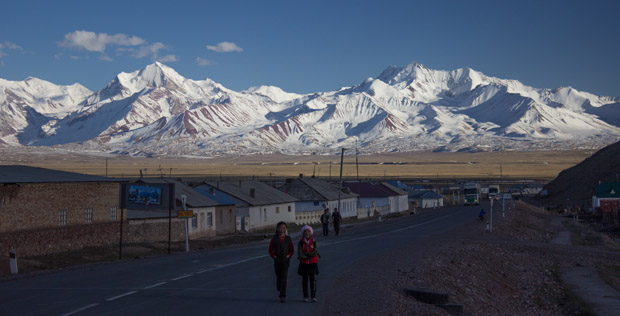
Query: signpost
column 185, row 214
column 184, row 199
column 491, row 227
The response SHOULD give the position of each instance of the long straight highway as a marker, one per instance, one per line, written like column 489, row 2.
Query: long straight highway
column 237, row 280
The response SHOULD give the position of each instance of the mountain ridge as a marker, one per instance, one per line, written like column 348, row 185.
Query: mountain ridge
column 156, row 111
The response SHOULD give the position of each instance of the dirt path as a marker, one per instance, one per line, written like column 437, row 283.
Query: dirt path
column 584, row 280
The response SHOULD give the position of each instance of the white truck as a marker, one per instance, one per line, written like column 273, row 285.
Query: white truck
column 471, row 193
column 494, row 192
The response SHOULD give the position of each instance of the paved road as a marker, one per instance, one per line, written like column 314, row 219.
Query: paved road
column 230, row 281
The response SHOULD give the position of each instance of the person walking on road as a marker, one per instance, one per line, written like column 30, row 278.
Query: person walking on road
column 337, row 220
column 281, row 249
column 325, row 221
column 308, row 255
column 481, row 216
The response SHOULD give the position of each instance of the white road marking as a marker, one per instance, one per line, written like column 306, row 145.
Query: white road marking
column 249, row 259
column 327, row 244
column 80, row 309
column 386, row 233
column 154, row 285
column 122, row 295
column 182, row 277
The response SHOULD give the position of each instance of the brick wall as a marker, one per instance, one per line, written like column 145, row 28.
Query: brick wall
column 37, row 205
column 153, row 230
column 58, row 239
column 29, row 219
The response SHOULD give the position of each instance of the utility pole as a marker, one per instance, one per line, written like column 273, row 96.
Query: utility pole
column 340, row 186
column 184, row 199
column 330, row 170
column 357, row 166
column 501, row 176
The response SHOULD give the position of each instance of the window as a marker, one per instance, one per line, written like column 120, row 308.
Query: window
column 277, row 209
column 112, row 213
column 62, row 217
column 265, row 210
column 210, row 219
column 289, row 208
column 195, row 221
column 88, row 215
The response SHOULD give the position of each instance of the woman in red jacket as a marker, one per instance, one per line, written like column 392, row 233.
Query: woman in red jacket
column 281, row 250
column 307, row 253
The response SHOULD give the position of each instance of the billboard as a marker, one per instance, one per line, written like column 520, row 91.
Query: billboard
column 147, row 196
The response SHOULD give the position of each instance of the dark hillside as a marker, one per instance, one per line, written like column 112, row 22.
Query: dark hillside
column 574, row 186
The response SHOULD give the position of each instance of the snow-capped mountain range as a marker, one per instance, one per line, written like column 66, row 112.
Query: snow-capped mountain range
column 157, row 112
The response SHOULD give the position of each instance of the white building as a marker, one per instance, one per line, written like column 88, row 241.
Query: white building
column 257, row 204
column 312, row 194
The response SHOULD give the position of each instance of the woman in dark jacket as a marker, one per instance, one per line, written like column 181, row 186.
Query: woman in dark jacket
column 281, row 250
column 308, row 255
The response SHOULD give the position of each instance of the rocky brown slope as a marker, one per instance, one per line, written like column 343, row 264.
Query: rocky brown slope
column 512, row 271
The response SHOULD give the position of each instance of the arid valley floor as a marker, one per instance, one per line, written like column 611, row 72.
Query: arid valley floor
column 538, row 165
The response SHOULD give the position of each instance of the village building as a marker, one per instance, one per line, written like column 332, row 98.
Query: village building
column 257, row 205
column 379, row 198
column 314, row 195
column 425, row 199
column 46, row 211
column 606, row 199
column 531, row 189
column 210, row 218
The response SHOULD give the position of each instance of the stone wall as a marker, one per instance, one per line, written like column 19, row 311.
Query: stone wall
column 37, row 205
column 58, row 239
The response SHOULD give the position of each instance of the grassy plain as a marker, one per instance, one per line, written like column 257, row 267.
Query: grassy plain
column 541, row 165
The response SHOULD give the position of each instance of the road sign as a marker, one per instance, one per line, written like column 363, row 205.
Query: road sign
column 185, row 214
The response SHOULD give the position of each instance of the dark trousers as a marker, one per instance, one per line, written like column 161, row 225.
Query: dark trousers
column 304, row 284
column 281, row 276
column 325, row 229
column 337, row 228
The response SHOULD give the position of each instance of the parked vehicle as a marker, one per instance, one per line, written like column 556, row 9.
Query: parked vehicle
column 494, row 191
column 471, row 193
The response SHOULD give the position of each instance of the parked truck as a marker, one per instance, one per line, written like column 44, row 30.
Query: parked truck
column 494, row 192
column 471, row 193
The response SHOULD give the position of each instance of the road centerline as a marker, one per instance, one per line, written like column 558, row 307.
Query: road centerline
column 122, row 295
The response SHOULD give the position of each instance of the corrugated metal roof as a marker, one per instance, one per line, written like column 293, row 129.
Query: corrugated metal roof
column 222, row 198
column 313, row 189
column 608, row 190
column 422, row 194
column 367, row 189
column 263, row 193
column 395, row 189
column 27, row 174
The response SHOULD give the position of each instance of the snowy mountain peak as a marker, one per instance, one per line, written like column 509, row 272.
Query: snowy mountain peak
column 152, row 76
column 274, row 93
column 156, row 111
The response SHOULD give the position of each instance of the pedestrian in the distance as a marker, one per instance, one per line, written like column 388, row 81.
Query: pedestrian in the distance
column 337, row 220
column 308, row 255
column 481, row 216
column 325, row 221
column 281, row 249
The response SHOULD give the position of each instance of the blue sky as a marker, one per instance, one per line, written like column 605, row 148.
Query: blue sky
column 311, row 46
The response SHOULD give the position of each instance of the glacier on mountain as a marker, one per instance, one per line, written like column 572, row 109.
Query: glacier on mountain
column 156, row 111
